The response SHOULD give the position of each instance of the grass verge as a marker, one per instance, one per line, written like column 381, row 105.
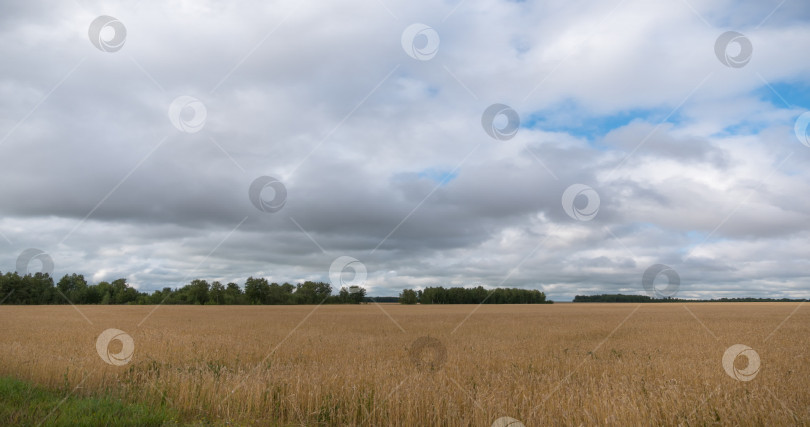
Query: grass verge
column 25, row 404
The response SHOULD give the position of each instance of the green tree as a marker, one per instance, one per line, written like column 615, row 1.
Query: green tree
column 312, row 292
column 197, row 292
column 73, row 287
column 233, row 294
column 408, row 296
column 279, row 294
column 217, row 294
column 357, row 294
column 122, row 293
column 343, row 296
column 257, row 290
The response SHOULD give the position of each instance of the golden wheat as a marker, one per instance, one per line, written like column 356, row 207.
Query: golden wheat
column 562, row 364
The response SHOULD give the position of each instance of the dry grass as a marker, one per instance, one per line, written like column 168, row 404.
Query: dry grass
column 562, row 364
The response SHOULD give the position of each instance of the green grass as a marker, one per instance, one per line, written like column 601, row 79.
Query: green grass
column 25, row 404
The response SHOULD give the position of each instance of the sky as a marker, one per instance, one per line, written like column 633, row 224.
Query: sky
column 575, row 147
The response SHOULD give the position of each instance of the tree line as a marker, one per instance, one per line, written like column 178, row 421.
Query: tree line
column 645, row 298
column 477, row 295
column 39, row 288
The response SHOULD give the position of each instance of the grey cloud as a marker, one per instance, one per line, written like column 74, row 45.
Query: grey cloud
column 361, row 154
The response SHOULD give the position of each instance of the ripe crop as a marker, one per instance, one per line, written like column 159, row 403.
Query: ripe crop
column 561, row 364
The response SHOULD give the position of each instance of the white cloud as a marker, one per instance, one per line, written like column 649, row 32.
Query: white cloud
column 325, row 99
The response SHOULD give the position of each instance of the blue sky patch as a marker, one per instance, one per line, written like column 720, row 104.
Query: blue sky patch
column 569, row 118
column 439, row 176
column 796, row 95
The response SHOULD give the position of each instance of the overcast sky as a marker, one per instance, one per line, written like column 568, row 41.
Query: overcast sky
column 131, row 135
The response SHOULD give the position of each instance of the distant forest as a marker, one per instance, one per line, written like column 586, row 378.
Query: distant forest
column 39, row 288
column 478, row 295
column 644, row 298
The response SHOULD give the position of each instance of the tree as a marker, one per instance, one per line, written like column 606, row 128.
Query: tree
column 479, row 295
column 257, row 290
column 287, row 290
column 408, row 296
column 163, row 296
column 233, row 294
column 122, row 293
column 104, row 291
column 73, row 287
column 312, row 292
column 357, row 294
column 40, row 289
column 343, row 296
column 280, row 294
column 198, row 292
column 217, row 294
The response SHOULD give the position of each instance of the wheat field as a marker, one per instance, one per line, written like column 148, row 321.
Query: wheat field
column 561, row 364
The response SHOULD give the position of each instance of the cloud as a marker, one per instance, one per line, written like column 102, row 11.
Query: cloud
column 384, row 157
